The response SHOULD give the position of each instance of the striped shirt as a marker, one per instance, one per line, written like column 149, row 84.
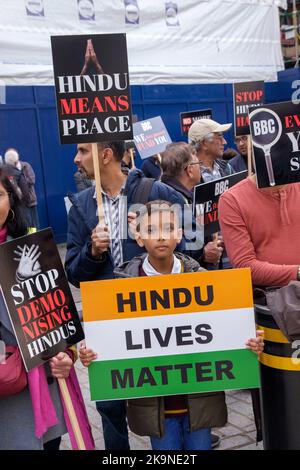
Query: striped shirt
column 115, row 214
column 210, row 175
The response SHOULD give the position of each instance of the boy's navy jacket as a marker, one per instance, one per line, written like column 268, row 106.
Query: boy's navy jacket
column 82, row 219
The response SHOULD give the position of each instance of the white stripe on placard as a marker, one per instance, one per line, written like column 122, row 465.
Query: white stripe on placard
column 150, row 336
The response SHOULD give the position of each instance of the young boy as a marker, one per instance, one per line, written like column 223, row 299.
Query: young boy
column 180, row 422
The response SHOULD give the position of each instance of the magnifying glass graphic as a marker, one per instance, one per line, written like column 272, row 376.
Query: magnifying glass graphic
column 266, row 130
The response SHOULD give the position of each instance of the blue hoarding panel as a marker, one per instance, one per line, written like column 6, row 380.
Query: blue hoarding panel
column 28, row 122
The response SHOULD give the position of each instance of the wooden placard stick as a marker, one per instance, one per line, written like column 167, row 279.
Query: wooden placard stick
column 132, row 159
column 249, row 155
column 71, row 413
column 98, row 182
column 159, row 157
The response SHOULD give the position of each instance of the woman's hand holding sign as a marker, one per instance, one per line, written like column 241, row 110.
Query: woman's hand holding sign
column 61, row 365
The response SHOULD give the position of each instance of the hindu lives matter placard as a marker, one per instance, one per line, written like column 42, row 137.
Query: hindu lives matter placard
column 38, row 297
column 171, row 334
column 92, row 88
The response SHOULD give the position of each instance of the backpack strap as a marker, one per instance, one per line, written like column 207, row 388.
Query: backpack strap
column 142, row 192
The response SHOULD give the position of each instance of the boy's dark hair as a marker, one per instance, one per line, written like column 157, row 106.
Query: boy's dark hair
column 118, row 148
column 151, row 207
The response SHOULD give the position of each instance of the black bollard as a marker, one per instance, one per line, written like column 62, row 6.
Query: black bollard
column 280, row 386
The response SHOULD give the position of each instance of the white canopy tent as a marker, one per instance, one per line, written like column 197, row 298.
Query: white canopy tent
column 178, row 42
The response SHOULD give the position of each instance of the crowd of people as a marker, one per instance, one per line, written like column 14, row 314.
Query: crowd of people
column 259, row 229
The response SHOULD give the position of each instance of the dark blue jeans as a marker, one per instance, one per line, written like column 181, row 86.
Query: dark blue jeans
column 115, row 432
column 178, row 437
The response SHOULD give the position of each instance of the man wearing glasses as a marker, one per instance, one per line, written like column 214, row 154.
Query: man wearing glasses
column 239, row 163
column 181, row 169
column 207, row 138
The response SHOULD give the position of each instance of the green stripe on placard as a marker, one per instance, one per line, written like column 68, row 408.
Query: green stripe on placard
column 172, row 375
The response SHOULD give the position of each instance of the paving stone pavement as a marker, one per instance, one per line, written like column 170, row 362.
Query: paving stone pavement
column 238, row 434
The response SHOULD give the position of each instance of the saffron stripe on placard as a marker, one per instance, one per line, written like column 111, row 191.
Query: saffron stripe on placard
column 178, row 293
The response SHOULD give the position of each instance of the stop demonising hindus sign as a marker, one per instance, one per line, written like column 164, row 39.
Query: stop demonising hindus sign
column 38, row 297
column 92, row 88
column 275, row 131
column 172, row 334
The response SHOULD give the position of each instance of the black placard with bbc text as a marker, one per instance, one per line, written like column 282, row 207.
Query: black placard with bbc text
column 206, row 201
column 150, row 137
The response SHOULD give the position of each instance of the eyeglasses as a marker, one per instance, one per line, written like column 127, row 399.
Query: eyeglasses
column 241, row 139
column 191, row 164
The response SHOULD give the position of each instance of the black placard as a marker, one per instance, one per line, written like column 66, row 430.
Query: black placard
column 92, row 88
column 275, row 132
column 38, row 297
column 189, row 117
column 206, row 201
column 244, row 95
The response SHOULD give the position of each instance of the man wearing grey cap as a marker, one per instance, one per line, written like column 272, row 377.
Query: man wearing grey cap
column 207, row 138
